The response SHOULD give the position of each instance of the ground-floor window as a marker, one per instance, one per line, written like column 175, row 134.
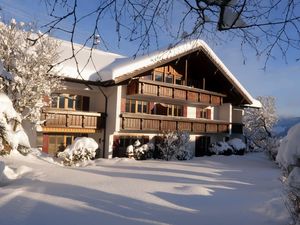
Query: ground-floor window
column 122, row 142
column 202, row 145
column 53, row 143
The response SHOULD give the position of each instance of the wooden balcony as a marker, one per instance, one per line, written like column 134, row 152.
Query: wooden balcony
column 71, row 119
column 157, row 123
column 172, row 93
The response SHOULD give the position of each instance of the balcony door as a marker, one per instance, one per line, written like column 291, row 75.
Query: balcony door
column 202, row 145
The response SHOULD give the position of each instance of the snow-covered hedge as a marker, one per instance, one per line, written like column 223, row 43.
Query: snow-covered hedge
column 172, row 145
column 221, row 148
column 233, row 146
column 81, row 150
column 139, row 151
column 238, row 146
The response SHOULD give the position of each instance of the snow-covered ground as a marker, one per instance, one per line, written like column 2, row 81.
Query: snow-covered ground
column 215, row 190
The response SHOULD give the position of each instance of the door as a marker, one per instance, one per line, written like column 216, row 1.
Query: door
column 202, row 145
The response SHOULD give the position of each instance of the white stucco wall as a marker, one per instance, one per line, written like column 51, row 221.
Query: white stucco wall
column 191, row 112
column 224, row 112
column 237, row 115
column 113, row 116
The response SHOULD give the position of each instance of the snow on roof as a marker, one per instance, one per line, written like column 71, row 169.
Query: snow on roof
column 125, row 68
column 88, row 68
column 106, row 66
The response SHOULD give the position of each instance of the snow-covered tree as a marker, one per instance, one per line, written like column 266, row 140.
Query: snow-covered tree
column 29, row 63
column 12, row 135
column 259, row 124
column 288, row 158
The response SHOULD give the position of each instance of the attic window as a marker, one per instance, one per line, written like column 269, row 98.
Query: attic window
column 159, row 77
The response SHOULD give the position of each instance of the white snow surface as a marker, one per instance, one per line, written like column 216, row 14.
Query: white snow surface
column 7, row 110
column 7, row 174
column 218, row 190
column 88, row 67
column 289, row 149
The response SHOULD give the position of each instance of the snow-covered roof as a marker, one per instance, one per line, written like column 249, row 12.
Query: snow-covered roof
column 125, row 68
column 107, row 66
column 89, row 62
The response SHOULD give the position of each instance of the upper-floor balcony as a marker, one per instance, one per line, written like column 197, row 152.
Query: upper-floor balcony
column 57, row 118
column 156, row 123
column 172, row 93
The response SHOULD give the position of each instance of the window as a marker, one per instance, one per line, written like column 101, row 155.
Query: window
column 178, row 110
column 61, row 101
column 134, row 106
column 58, row 143
column 169, row 110
column 147, row 77
column 68, row 101
column 159, row 76
column 178, row 80
column 122, row 142
column 169, row 79
column 202, row 113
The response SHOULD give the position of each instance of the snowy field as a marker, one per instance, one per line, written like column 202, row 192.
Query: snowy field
column 215, row 190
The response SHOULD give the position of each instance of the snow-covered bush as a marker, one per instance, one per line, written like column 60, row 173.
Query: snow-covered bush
column 289, row 150
column 27, row 58
column 238, row 146
column 140, row 152
column 81, row 150
column 221, row 148
column 175, row 145
column 12, row 135
column 288, row 158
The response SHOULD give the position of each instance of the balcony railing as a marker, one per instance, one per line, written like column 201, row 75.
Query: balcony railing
column 173, row 92
column 71, row 119
column 156, row 123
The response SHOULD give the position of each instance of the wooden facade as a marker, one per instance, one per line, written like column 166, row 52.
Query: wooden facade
column 71, row 119
column 156, row 124
column 179, row 93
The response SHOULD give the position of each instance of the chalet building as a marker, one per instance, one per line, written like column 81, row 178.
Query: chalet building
column 117, row 100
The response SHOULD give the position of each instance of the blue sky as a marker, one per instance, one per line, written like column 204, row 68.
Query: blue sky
column 280, row 79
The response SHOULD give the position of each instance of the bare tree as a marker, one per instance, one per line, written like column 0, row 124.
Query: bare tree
column 265, row 26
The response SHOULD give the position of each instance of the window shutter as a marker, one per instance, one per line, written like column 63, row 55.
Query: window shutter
column 123, row 105
column 208, row 114
column 185, row 111
column 198, row 111
column 45, row 143
column 47, row 100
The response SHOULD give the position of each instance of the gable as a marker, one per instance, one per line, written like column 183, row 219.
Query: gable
column 202, row 61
